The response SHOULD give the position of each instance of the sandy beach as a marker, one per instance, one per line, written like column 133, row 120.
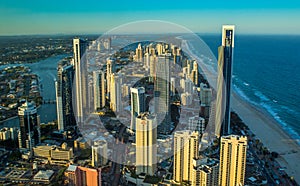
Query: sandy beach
column 271, row 134
column 261, row 123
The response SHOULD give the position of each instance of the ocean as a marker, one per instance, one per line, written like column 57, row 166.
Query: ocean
column 266, row 73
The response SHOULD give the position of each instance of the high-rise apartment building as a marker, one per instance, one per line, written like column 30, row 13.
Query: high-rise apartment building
column 194, row 74
column 99, row 153
column 116, row 92
column 110, row 69
column 224, row 82
column 79, row 47
column 146, row 150
column 139, row 53
column 162, row 93
column 197, row 123
column 186, row 145
column 205, row 172
column 137, row 104
column 29, row 134
column 233, row 150
column 99, row 89
column 153, row 61
column 205, row 95
column 64, row 101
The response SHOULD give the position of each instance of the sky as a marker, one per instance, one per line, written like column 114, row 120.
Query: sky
column 19, row 17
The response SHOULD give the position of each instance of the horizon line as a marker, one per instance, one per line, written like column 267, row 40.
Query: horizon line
column 101, row 33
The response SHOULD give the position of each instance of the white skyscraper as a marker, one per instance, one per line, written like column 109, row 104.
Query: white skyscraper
column 99, row 153
column 116, row 92
column 79, row 47
column 99, row 89
column 137, row 104
column 153, row 61
column 146, row 150
column 233, row 150
column 139, row 53
column 194, row 73
column 110, row 69
column 146, row 61
column 186, row 144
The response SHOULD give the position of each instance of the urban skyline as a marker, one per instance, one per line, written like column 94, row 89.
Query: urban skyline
column 178, row 135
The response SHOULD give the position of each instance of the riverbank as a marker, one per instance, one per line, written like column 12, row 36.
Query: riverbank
column 271, row 134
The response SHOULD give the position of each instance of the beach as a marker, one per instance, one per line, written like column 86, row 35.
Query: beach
column 270, row 134
column 260, row 122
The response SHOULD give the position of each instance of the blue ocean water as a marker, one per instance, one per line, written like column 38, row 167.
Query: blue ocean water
column 266, row 72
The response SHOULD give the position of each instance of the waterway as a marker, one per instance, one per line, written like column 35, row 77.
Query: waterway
column 46, row 70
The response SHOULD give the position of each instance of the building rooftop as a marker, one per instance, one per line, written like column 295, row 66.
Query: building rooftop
column 72, row 168
column 44, row 175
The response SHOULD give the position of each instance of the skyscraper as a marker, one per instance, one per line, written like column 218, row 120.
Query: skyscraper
column 205, row 172
column 137, row 104
column 29, row 134
column 79, row 47
column 139, row 53
column 197, row 123
column 153, row 61
column 232, row 160
column 64, row 105
column 162, row 93
column 99, row 89
column 205, row 94
column 116, row 92
column 225, row 61
column 110, row 69
column 173, row 85
column 146, row 151
column 194, row 73
column 186, row 146
column 99, row 153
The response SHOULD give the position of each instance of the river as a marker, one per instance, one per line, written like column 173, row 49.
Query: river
column 46, row 70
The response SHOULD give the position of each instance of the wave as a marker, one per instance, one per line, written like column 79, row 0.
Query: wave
column 265, row 103
column 261, row 96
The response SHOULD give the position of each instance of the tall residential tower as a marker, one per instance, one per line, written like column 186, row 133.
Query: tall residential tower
column 225, row 61
column 186, row 144
column 79, row 47
column 233, row 150
column 99, row 89
column 29, row 134
column 137, row 104
column 162, row 93
column 64, row 105
column 146, row 150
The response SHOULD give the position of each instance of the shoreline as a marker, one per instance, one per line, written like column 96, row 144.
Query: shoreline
column 270, row 133
column 262, row 124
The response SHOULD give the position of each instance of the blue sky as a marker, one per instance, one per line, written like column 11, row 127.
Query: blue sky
column 97, row 16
